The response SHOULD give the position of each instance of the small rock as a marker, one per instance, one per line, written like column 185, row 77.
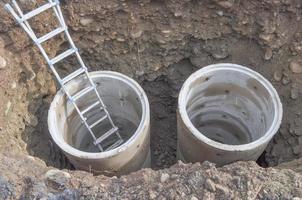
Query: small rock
column 285, row 80
column 164, row 177
column 14, row 85
column 120, row 39
column 268, row 54
column 210, row 185
column 3, row 63
column 294, row 93
column 277, row 76
column 33, row 121
column 166, row 31
column 295, row 67
column 177, row 14
column 220, row 13
column 8, row 105
column 194, row 198
column 152, row 194
column 266, row 37
column 225, row 4
column 220, row 56
column 57, row 178
column 86, row 21
column 136, row 34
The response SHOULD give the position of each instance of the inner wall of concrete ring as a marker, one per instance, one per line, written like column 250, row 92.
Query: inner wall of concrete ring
column 128, row 106
column 226, row 113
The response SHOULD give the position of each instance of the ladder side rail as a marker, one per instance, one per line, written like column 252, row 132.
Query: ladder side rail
column 58, row 12
column 61, row 20
column 25, row 25
column 84, row 121
column 90, row 80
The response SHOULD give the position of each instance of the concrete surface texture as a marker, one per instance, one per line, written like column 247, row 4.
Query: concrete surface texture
column 226, row 113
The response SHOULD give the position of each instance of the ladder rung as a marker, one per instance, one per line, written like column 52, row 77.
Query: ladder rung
column 38, row 11
column 82, row 93
column 106, row 135
column 99, row 121
column 51, row 34
column 116, row 144
column 73, row 75
column 90, row 107
column 62, row 56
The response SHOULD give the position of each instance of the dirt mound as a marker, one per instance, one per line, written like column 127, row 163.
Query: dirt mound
column 29, row 178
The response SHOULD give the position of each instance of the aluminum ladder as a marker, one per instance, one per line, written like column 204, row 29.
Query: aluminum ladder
column 22, row 19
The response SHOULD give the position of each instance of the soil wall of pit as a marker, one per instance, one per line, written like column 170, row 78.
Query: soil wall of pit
column 158, row 43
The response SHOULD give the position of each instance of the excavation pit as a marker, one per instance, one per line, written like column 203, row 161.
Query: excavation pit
column 129, row 108
column 226, row 113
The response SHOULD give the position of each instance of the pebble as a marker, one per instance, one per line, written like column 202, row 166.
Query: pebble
column 152, row 194
column 86, row 21
column 285, row 80
column 14, row 85
column 220, row 56
column 164, row 177
column 33, row 121
column 220, row 13
column 277, row 76
column 8, row 105
column 3, row 63
column 294, row 93
column 268, row 54
column 136, row 34
column 295, row 67
column 194, row 198
column 120, row 39
column 57, row 176
column 166, row 31
column 177, row 14
column 210, row 185
column 267, row 37
column 225, row 4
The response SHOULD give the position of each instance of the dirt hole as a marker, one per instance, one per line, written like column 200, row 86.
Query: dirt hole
column 162, row 93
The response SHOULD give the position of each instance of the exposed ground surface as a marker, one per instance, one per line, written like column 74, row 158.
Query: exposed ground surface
column 159, row 44
column 245, row 180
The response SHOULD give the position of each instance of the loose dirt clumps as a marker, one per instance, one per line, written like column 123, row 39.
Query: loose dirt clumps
column 158, row 43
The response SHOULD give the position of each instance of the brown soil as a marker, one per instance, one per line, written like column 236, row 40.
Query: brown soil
column 159, row 44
